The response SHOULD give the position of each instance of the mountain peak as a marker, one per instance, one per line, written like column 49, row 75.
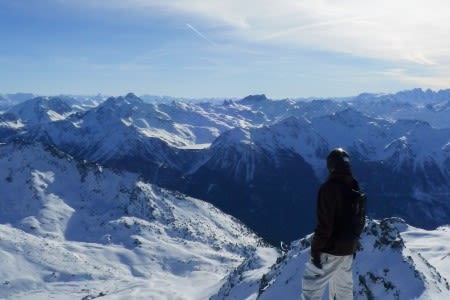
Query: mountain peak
column 254, row 99
column 41, row 110
column 349, row 117
column 132, row 96
column 234, row 136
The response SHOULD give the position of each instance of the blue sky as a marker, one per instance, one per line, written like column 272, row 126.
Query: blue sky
column 233, row 48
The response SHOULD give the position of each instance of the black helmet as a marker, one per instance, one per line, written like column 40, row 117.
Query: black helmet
column 338, row 158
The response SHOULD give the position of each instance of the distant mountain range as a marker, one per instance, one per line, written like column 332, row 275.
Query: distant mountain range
column 257, row 159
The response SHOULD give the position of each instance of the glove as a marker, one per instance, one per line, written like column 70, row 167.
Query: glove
column 316, row 261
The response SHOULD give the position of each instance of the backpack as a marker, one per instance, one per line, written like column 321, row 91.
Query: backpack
column 358, row 211
column 351, row 224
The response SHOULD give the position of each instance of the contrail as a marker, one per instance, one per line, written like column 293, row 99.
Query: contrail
column 200, row 34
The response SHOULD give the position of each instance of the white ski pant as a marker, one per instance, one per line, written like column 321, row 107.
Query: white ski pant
column 336, row 270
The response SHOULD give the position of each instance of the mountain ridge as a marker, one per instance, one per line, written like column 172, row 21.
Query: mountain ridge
column 387, row 266
column 73, row 229
column 167, row 143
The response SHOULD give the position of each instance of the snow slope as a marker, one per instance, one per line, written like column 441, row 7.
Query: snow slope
column 71, row 230
column 395, row 262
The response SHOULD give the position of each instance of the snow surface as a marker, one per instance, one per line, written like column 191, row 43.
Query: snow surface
column 71, row 230
column 394, row 263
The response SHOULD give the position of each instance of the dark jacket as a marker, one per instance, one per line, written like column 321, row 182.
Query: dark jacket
column 330, row 216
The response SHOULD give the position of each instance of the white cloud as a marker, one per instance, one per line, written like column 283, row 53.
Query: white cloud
column 437, row 78
column 402, row 32
column 410, row 30
column 414, row 30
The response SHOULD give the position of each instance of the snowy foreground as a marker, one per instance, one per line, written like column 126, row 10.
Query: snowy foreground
column 74, row 230
column 396, row 262
column 40, row 268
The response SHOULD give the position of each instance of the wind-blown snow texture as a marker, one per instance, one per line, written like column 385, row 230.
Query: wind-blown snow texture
column 95, row 193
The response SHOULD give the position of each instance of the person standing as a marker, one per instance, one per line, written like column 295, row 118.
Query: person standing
column 340, row 221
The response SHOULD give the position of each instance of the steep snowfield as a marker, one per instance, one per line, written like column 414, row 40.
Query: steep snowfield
column 71, row 230
column 396, row 262
column 432, row 245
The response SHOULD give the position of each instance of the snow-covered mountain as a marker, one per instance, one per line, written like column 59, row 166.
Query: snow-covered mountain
column 72, row 230
column 403, row 166
column 99, row 196
column 429, row 106
column 40, row 110
column 256, row 155
column 263, row 176
column 8, row 100
column 396, row 261
column 77, row 230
